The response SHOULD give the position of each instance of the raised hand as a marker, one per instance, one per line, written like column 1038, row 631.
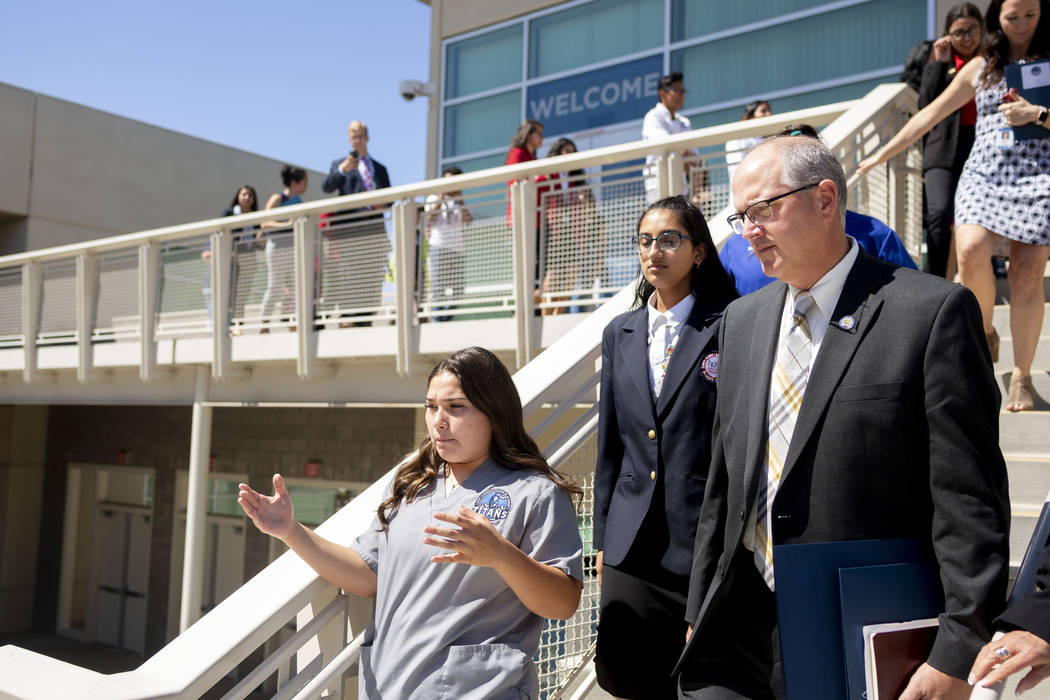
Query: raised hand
column 942, row 49
column 475, row 542
column 273, row 515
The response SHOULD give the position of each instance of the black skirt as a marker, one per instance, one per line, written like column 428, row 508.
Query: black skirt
column 641, row 631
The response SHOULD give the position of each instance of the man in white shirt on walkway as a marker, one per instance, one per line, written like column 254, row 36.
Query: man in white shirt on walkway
column 662, row 121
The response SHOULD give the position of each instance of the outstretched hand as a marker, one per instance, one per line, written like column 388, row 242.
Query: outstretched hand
column 475, row 542
column 1026, row 650
column 273, row 515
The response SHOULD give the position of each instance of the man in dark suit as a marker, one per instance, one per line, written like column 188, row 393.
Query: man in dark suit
column 357, row 172
column 356, row 244
column 856, row 400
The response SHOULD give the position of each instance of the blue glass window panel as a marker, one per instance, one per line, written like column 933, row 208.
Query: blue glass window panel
column 483, row 62
column 482, row 124
column 693, row 18
column 817, row 98
column 596, row 31
column 774, row 58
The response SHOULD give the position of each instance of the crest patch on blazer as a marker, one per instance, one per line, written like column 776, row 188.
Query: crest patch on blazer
column 709, row 366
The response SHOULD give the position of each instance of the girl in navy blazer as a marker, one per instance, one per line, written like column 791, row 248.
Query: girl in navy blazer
column 659, row 364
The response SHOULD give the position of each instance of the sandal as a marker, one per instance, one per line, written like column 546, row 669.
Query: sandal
column 1021, row 396
column 993, row 344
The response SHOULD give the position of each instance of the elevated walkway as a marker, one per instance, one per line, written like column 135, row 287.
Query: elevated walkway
column 127, row 320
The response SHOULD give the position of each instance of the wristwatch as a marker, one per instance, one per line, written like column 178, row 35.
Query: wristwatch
column 1041, row 119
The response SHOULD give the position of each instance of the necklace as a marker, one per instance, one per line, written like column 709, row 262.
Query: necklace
column 450, row 480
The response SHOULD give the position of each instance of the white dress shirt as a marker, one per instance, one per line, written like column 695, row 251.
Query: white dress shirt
column 664, row 330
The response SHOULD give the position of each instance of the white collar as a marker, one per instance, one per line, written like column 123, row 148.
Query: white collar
column 674, row 315
column 828, row 289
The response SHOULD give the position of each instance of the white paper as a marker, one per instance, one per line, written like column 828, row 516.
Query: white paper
column 1034, row 75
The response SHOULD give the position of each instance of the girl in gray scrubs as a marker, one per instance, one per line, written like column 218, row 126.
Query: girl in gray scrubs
column 475, row 544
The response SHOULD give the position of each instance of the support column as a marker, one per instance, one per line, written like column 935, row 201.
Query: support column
column 196, row 504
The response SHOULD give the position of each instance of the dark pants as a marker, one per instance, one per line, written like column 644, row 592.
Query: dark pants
column 939, row 213
column 737, row 651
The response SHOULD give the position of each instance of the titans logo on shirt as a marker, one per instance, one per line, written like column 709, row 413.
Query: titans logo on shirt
column 494, row 504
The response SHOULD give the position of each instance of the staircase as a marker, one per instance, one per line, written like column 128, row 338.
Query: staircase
column 1025, row 441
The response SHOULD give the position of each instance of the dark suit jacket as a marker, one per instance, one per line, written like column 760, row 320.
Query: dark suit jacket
column 1031, row 611
column 897, row 436
column 940, row 144
column 351, row 182
column 679, row 449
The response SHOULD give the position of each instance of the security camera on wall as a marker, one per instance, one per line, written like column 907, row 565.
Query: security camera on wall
column 411, row 89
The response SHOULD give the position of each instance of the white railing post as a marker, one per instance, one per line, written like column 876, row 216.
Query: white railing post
column 304, row 238
column 404, row 216
column 196, row 503
column 330, row 639
column 30, row 317
column 675, row 166
column 663, row 180
column 525, row 212
column 221, row 265
column 149, row 257
column 86, row 273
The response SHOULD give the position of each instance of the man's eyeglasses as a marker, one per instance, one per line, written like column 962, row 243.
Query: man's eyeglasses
column 960, row 34
column 760, row 212
column 666, row 241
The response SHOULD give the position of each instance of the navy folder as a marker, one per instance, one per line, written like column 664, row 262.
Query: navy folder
column 871, row 595
column 1032, row 81
column 809, row 613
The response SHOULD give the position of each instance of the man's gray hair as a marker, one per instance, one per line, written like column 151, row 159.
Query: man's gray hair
column 804, row 161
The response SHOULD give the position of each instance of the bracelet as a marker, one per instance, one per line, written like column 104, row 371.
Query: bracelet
column 1041, row 119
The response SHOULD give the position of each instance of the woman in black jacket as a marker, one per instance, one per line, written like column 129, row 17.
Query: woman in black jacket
column 948, row 144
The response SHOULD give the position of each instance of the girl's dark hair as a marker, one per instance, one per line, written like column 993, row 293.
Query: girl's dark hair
column 488, row 386
column 709, row 280
column 525, row 129
column 255, row 198
column 558, row 147
column 291, row 173
column 961, row 11
column 750, row 108
column 996, row 46
column 916, row 60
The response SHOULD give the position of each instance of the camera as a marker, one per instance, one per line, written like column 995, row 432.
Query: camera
column 411, row 89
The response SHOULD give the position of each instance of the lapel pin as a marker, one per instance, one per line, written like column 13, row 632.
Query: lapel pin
column 847, row 323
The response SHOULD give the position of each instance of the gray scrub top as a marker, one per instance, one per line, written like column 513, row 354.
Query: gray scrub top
column 453, row 630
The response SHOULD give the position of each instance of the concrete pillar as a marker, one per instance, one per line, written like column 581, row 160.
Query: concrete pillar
column 197, row 504
column 23, row 446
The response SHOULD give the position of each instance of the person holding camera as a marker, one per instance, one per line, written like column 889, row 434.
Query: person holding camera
column 358, row 171
column 357, row 248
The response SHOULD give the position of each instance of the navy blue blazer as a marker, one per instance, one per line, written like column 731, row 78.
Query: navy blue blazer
column 351, row 182
column 641, row 443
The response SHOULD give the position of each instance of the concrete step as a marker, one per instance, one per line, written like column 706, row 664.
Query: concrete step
column 1001, row 319
column 1006, row 353
column 1027, row 432
column 1029, row 478
column 1041, row 383
column 1023, row 518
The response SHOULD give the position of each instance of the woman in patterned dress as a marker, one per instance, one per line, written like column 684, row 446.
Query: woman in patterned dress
column 1004, row 189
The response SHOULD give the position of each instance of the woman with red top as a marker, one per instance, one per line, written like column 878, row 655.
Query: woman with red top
column 527, row 140
column 948, row 144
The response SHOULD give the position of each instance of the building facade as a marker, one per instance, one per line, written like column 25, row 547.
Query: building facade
column 588, row 69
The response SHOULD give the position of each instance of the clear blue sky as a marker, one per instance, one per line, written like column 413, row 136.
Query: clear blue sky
column 278, row 79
